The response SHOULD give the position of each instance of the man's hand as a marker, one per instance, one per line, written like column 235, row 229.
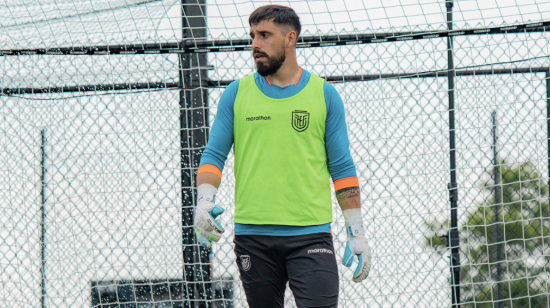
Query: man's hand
column 207, row 228
column 357, row 245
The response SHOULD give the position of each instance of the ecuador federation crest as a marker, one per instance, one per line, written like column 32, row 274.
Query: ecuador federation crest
column 300, row 120
column 245, row 262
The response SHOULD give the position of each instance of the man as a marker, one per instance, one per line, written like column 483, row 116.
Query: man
column 289, row 134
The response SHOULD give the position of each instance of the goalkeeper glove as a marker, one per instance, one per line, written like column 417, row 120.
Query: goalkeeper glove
column 207, row 228
column 357, row 245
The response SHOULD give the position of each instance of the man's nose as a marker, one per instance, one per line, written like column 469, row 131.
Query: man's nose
column 255, row 43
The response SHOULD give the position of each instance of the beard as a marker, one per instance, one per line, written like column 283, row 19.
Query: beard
column 273, row 63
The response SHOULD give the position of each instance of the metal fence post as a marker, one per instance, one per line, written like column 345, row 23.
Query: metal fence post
column 194, row 125
column 453, row 237
column 496, row 178
column 548, row 139
column 43, row 218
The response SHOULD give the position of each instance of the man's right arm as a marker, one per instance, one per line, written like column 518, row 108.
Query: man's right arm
column 220, row 140
column 209, row 175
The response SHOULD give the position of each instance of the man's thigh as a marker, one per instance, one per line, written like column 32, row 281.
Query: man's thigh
column 262, row 269
column 312, row 271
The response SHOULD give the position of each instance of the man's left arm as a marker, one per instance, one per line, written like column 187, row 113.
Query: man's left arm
column 346, row 183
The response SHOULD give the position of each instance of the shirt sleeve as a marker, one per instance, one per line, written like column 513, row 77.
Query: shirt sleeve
column 221, row 135
column 340, row 164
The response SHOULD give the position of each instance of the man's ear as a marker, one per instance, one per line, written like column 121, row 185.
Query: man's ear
column 291, row 38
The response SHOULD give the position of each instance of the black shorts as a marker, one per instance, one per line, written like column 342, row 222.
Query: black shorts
column 307, row 262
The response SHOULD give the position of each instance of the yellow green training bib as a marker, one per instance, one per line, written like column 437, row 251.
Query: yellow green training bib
column 281, row 169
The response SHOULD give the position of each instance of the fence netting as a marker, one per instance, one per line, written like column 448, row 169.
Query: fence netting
column 100, row 140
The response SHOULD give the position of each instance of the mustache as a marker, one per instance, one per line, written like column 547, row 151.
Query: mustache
column 255, row 53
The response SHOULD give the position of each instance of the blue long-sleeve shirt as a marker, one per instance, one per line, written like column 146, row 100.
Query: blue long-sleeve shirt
column 340, row 163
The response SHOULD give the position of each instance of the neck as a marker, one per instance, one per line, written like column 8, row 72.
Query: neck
column 287, row 74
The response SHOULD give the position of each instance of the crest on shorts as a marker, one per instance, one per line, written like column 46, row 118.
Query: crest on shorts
column 300, row 120
column 245, row 262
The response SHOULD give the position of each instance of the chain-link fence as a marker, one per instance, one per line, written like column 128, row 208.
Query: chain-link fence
column 106, row 106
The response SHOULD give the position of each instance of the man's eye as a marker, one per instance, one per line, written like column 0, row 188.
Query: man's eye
column 265, row 35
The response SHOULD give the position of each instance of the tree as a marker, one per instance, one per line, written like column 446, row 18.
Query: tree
column 507, row 239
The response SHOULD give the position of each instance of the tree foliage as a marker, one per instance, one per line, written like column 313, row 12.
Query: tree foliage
column 505, row 245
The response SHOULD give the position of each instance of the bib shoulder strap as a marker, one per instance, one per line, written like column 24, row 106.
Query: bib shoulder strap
column 247, row 81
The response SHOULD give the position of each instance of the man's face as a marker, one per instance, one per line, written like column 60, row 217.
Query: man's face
column 268, row 47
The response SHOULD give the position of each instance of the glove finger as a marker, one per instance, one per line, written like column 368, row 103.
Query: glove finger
column 214, row 225
column 207, row 237
column 360, row 266
column 348, row 256
column 217, row 211
column 214, row 237
column 203, row 241
column 363, row 268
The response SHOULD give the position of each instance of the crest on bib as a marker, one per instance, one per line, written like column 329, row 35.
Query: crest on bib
column 245, row 262
column 300, row 120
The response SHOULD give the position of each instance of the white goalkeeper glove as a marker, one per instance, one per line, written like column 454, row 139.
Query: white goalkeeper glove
column 357, row 245
column 207, row 228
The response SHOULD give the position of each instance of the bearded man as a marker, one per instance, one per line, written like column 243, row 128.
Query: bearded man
column 290, row 137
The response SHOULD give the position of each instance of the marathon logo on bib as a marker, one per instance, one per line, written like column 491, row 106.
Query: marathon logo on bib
column 300, row 120
column 245, row 262
column 259, row 118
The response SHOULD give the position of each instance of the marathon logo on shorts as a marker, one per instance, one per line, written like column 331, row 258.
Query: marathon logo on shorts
column 320, row 250
column 245, row 262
